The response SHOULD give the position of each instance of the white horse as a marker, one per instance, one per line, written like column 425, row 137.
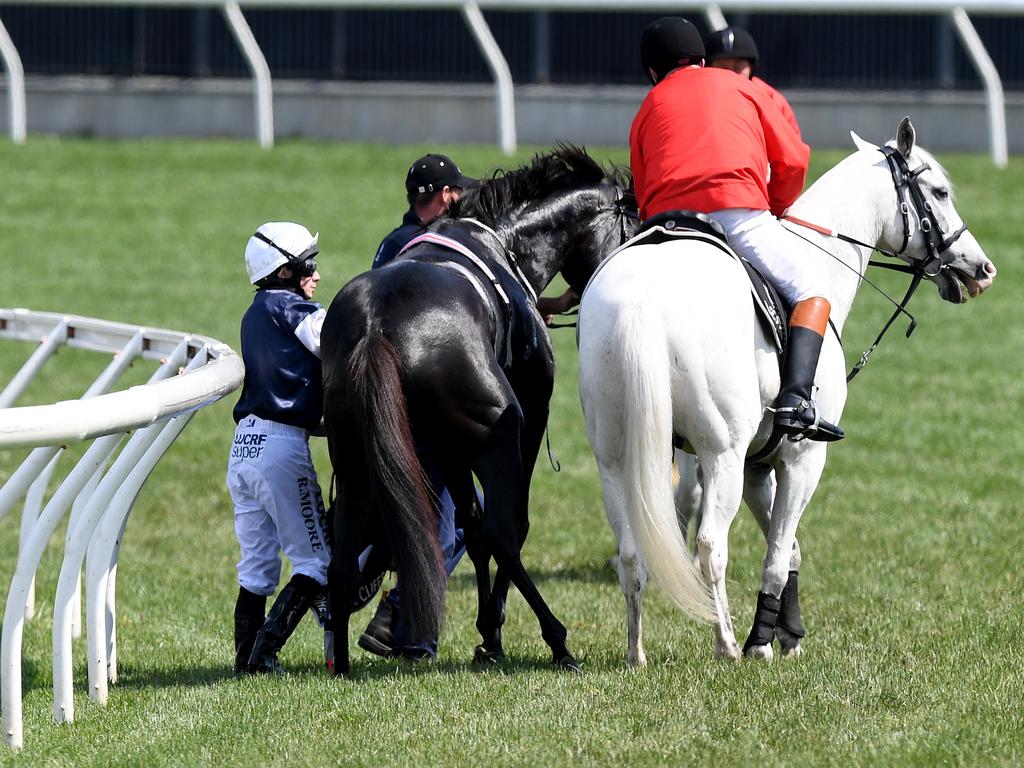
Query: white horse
column 670, row 347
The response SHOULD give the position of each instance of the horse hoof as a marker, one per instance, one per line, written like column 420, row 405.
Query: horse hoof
column 788, row 643
column 760, row 652
column 569, row 664
column 639, row 660
column 488, row 658
column 792, row 651
column 728, row 653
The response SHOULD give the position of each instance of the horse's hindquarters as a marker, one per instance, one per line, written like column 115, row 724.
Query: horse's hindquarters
column 693, row 303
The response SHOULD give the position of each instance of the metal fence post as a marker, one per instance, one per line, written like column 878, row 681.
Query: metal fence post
column 990, row 78
column 502, row 75
column 15, row 86
column 260, row 73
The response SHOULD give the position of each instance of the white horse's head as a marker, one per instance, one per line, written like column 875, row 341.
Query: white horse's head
column 952, row 257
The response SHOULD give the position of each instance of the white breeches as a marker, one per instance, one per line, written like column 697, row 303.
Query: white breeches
column 796, row 268
column 278, row 505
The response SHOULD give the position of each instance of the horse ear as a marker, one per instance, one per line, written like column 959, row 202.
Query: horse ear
column 905, row 137
column 861, row 144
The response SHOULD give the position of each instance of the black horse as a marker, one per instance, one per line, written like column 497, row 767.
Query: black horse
column 442, row 353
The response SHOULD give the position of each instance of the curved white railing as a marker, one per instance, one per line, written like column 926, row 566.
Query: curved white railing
column 102, row 486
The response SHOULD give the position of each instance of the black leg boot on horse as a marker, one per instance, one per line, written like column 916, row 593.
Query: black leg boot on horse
column 249, row 617
column 289, row 608
column 795, row 412
column 790, row 629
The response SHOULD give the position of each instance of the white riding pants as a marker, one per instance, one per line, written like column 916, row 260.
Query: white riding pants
column 278, row 505
column 796, row 268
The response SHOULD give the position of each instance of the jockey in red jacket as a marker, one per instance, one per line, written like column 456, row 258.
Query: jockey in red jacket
column 704, row 140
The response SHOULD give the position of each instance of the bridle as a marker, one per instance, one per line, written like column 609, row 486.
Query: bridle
column 908, row 195
column 623, row 212
column 905, row 179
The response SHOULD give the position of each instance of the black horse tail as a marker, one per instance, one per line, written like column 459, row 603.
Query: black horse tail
column 398, row 487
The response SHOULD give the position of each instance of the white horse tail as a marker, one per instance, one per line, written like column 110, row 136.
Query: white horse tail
column 647, row 462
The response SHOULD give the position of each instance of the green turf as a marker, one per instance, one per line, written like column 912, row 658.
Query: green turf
column 912, row 546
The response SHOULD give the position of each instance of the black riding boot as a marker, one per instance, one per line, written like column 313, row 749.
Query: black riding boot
column 249, row 610
column 289, row 608
column 379, row 635
column 794, row 410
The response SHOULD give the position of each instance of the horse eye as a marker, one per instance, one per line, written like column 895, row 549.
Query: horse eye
column 942, row 193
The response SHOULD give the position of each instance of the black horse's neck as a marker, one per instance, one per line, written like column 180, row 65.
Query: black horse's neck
column 569, row 233
column 560, row 213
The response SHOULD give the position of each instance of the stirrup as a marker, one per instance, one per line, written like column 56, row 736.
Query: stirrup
column 791, row 421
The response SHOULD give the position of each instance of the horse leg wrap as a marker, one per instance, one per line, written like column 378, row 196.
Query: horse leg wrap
column 766, row 617
column 789, row 611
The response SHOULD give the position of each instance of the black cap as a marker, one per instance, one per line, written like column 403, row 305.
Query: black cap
column 431, row 173
column 731, row 43
column 668, row 41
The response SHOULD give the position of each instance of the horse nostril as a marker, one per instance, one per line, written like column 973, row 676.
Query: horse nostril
column 988, row 268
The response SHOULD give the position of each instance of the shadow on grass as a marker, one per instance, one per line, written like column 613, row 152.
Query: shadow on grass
column 363, row 670
column 373, row 670
column 134, row 677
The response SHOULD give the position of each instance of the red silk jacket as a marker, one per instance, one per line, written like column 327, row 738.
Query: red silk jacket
column 780, row 102
column 704, row 140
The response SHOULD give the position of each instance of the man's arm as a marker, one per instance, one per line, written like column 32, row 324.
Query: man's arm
column 788, row 155
column 548, row 306
column 308, row 330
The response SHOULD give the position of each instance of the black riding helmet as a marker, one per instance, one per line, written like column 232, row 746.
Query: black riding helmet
column 732, row 43
column 669, row 43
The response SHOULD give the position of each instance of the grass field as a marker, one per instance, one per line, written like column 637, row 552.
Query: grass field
column 912, row 579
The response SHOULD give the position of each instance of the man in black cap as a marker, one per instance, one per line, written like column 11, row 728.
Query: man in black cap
column 432, row 184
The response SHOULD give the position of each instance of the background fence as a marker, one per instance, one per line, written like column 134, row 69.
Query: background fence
column 861, row 47
column 811, row 50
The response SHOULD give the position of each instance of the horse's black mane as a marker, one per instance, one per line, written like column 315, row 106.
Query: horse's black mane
column 565, row 168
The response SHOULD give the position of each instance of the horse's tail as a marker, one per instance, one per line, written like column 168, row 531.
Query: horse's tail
column 398, row 487
column 647, row 461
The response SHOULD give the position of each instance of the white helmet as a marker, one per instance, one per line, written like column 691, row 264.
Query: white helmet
column 277, row 243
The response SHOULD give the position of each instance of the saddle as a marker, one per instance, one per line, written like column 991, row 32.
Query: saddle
column 692, row 225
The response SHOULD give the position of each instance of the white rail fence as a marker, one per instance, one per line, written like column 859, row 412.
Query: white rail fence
column 100, row 489
column 958, row 11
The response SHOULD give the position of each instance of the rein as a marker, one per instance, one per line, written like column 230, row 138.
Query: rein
column 902, row 177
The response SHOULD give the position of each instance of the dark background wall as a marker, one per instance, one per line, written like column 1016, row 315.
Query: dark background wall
column 798, row 51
